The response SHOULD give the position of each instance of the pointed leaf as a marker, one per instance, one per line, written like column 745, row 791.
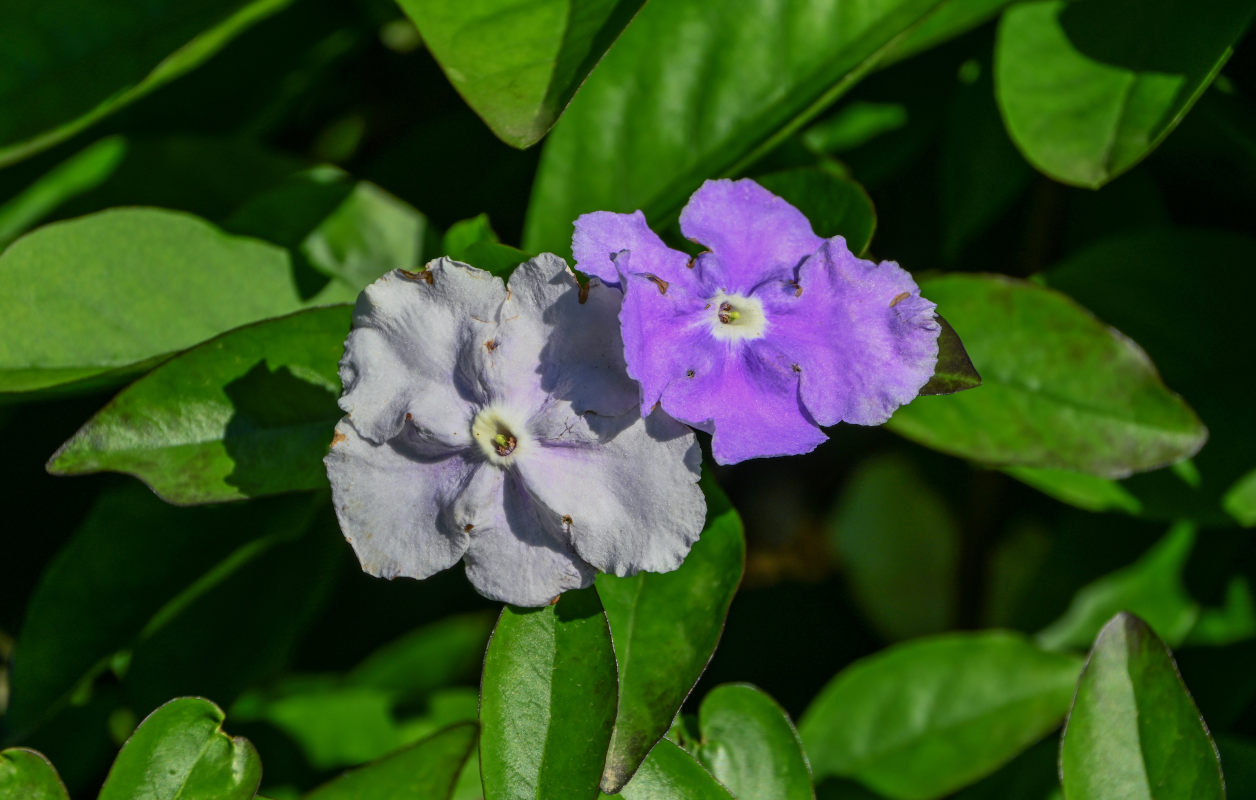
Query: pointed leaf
column 426, row 770
column 665, row 627
column 27, row 775
column 547, row 700
column 518, row 64
column 749, row 744
column 180, row 752
column 671, row 774
column 1084, row 106
column 924, row 718
column 245, row 414
column 1134, row 733
column 955, row 371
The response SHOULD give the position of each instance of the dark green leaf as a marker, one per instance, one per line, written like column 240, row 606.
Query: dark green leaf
column 547, row 700
column 665, row 628
column 950, row 19
column 687, row 95
column 1060, row 389
column 1133, row 731
column 104, row 294
column 426, row 659
column 112, row 56
column 248, row 413
column 1084, row 105
column 1090, row 492
column 27, row 775
column 955, row 371
column 835, row 204
column 924, row 718
column 518, row 64
column 899, row 558
column 672, row 774
column 750, row 745
column 424, row 771
column 180, row 752
column 1240, row 500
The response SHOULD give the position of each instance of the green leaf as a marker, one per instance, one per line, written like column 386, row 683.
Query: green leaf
column 473, row 241
column 669, row 773
column 1133, row 731
column 103, row 295
column 750, row 745
column 424, row 771
column 115, row 55
column 1060, row 389
column 109, row 588
column 1083, row 105
column 547, row 700
column 1089, row 492
column 665, row 627
column 924, row 718
column 955, row 371
column 519, row 64
column 687, row 95
column 948, row 20
column 245, row 414
column 900, row 559
column 1151, row 587
column 27, row 775
column 1240, row 500
column 181, row 752
column 835, row 204
column 350, row 230
column 426, row 659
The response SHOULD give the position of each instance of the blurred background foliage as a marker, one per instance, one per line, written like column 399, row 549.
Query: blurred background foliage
column 1099, row 156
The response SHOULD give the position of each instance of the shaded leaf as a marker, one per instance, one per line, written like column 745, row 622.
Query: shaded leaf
column 27, row 775
column 948, row 20
column 1240, row 500
column 1133, row 731
column 750, row 746
column 835, row 204
column 955, row 371
column 426, row 770
column 426, row 659
column 247, row 413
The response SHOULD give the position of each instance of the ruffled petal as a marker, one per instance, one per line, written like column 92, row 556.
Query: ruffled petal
column 749, row 401
column 663, row 336
column 863, row 338
column 395, row 509
column 520, row 554
column 602, row 235
column 631, row 503
column 414, row 350
column 753, row 235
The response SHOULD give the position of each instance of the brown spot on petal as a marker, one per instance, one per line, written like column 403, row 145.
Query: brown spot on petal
column 689, row 374
column 797, row 288
column 898, row 298
column 337, row 438
column 409, row 416
column 491, row 344
column 567, row 520
column 583, row 294
column 797, row 368
column 659, row 282
column 467, row 528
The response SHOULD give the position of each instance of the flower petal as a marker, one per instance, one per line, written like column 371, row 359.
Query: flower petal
column 576, row 344
column 753, row 235
column 631, row 503
column 864, row 339
column 408, row 351
column 749, row 400
column 602, row 235
column 519, row 554
column 663, row 335
column 392, row 506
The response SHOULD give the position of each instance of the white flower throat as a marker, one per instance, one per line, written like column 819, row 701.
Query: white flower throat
column 734, row 317
column 500, row 434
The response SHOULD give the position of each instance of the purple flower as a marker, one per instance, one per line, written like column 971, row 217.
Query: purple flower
column 771, row 333
column 496, row 425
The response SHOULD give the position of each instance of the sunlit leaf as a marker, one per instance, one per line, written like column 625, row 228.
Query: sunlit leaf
column 670, row 774
column 750, row 746
column 27, row 775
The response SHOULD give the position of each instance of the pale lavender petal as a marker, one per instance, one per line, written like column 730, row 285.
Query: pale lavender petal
column 520, row 554
column 752, row 234
column 602, row 235
column 631, row 503
column 748, row 397
column 392, row 505
column 864, row 339
column 663, row 336
column 408, row 352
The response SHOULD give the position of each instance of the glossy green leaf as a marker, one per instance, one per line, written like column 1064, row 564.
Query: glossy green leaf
column 102, row 295
column 109, row 588
column 1060, row 389
column 835, row 204
column 245, row 414
column 547, row 700
column 116, row 55
column 669, row 773
column 426, row 770
column 899, row 559
column 350, row 230
column 27, row 775
column 955, row 371
column 665, row 628
column 180, row 752
column 518, row 64
column 924, row 718
column 473, row 241
column 1134, row 732
column 750, row 746
column 1083, row 105
column 686, row 95
column 1151, row 587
